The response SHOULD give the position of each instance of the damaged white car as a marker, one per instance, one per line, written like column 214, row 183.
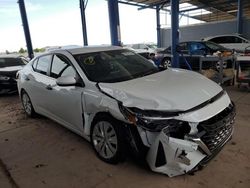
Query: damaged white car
column 176, row 119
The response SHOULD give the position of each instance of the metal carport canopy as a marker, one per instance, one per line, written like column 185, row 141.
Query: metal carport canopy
column 159, row 4
column 219, row 10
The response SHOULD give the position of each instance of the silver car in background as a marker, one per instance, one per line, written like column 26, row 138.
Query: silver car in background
column 177, row 120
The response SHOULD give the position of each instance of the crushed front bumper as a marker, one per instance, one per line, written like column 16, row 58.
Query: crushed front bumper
column 172, row 156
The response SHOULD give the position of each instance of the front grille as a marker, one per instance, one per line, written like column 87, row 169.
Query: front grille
column 218, row 128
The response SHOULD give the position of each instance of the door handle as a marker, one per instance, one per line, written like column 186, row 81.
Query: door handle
column 49, row 87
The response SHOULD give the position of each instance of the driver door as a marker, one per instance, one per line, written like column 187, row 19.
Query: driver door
column 65, row 103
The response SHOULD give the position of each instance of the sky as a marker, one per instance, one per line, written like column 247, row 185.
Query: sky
column 58, row 22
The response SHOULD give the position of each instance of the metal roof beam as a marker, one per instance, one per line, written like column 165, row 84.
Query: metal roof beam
column 204, row 6
column 213, row 6
column 153, row 7
column 133, row 4
column 154, row 4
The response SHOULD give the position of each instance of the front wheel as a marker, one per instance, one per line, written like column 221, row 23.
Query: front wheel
column 106, row 139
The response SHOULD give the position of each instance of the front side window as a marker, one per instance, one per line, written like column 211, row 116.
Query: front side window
column 61, row 67
column 197, row 48
column 142, row 46
column 69, row 71
column 114, row 66
column 42, row 64
column 238, row 40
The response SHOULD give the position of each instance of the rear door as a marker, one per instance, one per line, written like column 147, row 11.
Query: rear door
column 37, row 81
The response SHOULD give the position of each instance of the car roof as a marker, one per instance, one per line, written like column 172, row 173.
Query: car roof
column 89, row 49
column 191, row 41
column 225, row 35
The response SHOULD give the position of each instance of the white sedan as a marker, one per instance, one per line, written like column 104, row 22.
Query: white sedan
column 176, row 120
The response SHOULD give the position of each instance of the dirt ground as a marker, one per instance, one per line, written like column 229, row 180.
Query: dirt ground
column 40, row 153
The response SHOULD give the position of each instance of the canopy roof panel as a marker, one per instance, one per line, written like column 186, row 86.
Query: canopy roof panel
column 210, row 10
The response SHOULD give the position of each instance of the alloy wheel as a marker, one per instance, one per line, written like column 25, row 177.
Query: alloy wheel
column 105, row 139
column 27, row 104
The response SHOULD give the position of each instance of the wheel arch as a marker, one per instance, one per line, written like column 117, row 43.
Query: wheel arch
column 98, row 116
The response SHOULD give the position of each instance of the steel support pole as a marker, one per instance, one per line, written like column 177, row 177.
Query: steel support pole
column 114, row 22
column 175, row 32
column 26, row 28
column 240, row 17
column 158, row 26
column 84, row 25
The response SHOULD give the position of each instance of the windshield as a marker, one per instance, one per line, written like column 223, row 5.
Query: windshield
column 114, row 66
column 214, row 46
column 10, row 61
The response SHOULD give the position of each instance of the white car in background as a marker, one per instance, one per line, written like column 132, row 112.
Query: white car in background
column 151, row 48
column 175, row 119
column 234, row 42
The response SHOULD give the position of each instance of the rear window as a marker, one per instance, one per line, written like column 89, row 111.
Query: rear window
column 9, row 62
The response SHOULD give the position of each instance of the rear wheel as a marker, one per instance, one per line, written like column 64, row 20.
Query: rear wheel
column 27, row 105
column 106, row 139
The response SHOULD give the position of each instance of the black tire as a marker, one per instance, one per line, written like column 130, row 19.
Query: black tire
column 107, row 150
column 165, row 63
column 27, row 104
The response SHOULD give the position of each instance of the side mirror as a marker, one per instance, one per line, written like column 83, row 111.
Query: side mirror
column 66, row 81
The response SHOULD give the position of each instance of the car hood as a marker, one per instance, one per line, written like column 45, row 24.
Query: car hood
column 11, row 68
column 10, row 71
column 169, row 90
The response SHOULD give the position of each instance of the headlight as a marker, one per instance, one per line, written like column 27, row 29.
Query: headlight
column 172, row 127
column 128, row 115
column 155, row 121
column 4, row 78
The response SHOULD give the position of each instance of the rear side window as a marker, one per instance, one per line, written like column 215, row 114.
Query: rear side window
column 218, row 40
column 227, row 39
column 42, row 64
column 135, row 46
